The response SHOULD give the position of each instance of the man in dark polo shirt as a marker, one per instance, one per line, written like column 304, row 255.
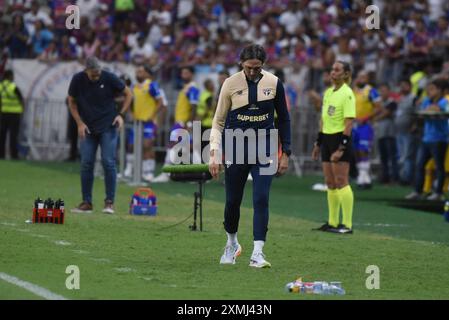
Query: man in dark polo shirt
column 91, row 103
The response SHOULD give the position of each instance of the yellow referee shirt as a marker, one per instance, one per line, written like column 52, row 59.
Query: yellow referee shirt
column 337, row 105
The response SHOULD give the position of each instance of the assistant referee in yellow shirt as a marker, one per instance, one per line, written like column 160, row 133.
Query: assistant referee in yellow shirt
column 334, row 143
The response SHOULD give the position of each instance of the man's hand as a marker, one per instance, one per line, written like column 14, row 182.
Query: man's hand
column 118, row 121
column 335, row 157
column 215, row 165
column 315, row 153
column 82, row 129
column 283, row 165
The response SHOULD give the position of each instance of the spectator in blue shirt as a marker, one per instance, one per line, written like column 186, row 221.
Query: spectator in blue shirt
column 434, row 141
column 41, row 38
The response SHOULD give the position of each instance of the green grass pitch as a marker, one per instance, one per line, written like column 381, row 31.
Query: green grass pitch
column 130, row 257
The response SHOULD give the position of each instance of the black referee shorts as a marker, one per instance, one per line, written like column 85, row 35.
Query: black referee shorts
column 330, row 144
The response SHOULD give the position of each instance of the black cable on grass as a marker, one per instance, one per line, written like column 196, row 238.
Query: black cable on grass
column 176, row 224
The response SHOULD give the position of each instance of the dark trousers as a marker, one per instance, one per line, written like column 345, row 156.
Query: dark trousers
column 389, row 159
column 72, row 133
column 427, row 150
column 10, row 122
column 88, row 148
column 236, row 176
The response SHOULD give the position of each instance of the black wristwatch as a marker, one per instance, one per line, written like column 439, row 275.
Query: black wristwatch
column 122, row 115
column 287, row 152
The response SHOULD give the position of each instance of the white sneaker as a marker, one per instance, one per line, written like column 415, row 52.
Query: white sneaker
column 258, row 261
column 231, row 252
column 108, row 207
column 162, row 178
column 435, row 197
column 148, row 177
column 413, row 196
column 128, row 171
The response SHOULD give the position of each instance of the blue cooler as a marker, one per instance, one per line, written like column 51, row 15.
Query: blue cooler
column 143, row 202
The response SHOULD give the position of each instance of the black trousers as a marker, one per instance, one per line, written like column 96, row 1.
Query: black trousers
column 10, row 122
column 236, row 176
column 72, row 133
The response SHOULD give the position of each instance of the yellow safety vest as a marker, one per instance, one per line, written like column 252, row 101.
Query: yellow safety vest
column 10, row 100
column 414, row 80
column 204, row 111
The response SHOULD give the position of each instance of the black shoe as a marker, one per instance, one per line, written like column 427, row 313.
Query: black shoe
column 342, row 229
column 324, row 227
column 365, row 186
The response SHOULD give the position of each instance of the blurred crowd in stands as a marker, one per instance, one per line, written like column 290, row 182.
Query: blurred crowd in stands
column 393, row 65
column 302, row 37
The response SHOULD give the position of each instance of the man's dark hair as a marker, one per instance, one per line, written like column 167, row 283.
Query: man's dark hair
column 190, row 68
column 253, row 51
column 439, row 83
column 346, row 66
column 208, row 82
column 407, row 81
column 224, row 72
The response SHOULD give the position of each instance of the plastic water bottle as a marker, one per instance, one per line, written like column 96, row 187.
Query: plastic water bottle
column 292, row 287
column 336, row 288
column 324, row 288
column 317, row 287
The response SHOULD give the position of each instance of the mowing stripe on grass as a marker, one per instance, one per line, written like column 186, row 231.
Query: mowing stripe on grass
column 39, row 291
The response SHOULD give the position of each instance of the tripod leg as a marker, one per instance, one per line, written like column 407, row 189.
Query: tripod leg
column 195, row 210
column 201, row 205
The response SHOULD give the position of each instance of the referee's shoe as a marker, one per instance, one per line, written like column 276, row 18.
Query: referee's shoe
column 342, row 229
column 325, row 227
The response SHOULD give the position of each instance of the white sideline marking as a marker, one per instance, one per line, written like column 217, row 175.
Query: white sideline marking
column 381, row 225
column 124, row 269
column 103, row 260
column 38, row 235
column 39, row 291
column 62, row 243
column 22, row 230
column 81, row 251
column 9, row 224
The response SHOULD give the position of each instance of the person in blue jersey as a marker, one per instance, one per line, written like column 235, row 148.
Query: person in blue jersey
column 434, row 141
column 186, row 107
column 248, row 100
column 367, row 104
column 146, row 107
